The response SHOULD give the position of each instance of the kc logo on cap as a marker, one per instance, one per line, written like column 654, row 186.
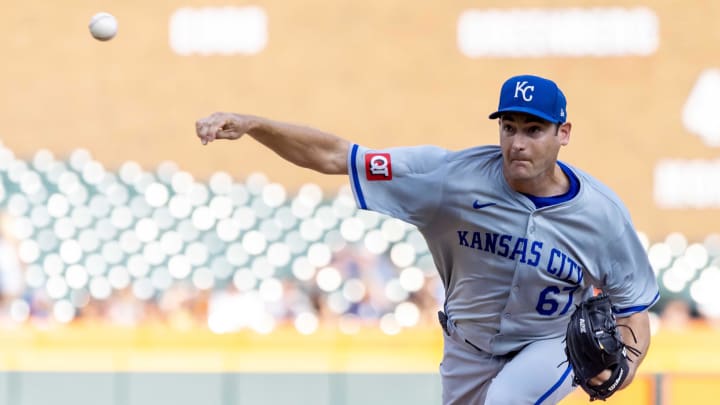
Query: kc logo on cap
column 522, row 88
column 532, row 95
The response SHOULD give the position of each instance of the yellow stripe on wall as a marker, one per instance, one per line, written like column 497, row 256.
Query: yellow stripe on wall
column 87, row 348
column 95, row 348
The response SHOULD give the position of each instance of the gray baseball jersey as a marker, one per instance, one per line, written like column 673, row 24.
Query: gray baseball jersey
column 512, row 272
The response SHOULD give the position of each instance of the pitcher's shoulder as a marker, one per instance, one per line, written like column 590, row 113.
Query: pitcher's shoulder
column 477, row 153
column 600, row 193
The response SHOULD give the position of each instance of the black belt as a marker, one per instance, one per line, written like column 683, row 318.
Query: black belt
column 443, row 318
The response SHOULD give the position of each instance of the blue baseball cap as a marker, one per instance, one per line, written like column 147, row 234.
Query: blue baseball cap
column 532, row 95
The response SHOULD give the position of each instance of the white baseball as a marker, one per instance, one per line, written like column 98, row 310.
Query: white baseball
column 103, row 26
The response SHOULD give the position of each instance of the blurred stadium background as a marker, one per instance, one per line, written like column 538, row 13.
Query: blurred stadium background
column 137, row 267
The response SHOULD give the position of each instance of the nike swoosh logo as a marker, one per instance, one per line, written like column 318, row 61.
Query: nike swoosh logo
column 477, row 205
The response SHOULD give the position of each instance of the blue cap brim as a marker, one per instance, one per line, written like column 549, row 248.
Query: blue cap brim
column 530, row 111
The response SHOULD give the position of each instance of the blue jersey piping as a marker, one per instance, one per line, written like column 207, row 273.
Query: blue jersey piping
column 637, row 308
column 555, row 386
column 356, row 178
column 541, row 202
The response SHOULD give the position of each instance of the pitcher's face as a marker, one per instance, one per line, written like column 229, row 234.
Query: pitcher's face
column 530, row 145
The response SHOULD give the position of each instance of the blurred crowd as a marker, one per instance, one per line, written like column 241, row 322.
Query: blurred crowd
column 360, row 290
column 357, row 289
column 82, row 244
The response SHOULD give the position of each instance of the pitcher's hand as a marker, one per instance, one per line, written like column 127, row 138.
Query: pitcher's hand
column 222, row 125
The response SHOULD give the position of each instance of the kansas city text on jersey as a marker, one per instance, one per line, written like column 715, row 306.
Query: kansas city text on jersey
column 554, row 261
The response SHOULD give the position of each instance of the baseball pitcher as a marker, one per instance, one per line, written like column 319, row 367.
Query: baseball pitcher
column 521, row 241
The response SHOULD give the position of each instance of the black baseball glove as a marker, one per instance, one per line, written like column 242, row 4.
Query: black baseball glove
column 593, row 344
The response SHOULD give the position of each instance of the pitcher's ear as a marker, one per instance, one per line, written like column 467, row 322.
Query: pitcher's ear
column 563, row 133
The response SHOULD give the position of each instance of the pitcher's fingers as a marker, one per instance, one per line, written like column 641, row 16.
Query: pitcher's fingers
column 201, row 128
column 212, row 132
column 199, row 133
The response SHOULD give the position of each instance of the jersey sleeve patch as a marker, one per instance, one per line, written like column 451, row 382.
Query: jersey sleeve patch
column 378, row 166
